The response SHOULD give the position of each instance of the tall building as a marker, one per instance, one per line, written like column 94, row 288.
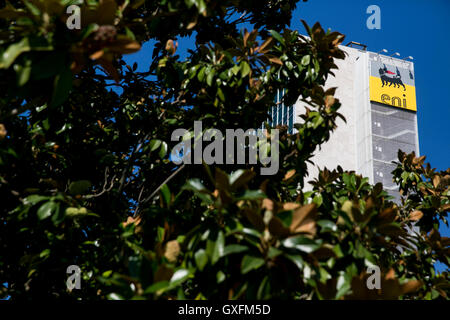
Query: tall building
column 378, row 98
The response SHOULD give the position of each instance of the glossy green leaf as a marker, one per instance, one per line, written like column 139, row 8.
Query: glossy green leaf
column 234, row 248
column 277, row 36
column 46, row 210
column 62, row 87
column 201, row 258
column 219, row 248
column 79, row 187
column 250, row 263
column 301, row 243
column 245, row 69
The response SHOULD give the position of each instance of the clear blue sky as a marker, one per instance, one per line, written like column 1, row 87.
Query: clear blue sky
column 415, row 28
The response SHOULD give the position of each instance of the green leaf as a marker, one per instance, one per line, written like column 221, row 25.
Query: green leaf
column 189, row 3
column 161, row 285
column 131, row 36
column 201, row 5
column 210, row 77
column 199, row 189
column 107, row 273
column 218, row 249
column 46, row 210
column 62, row 87
column 234, row 248
column 79, row 187
column 277, row 36
column 349, row 180
column 235, row 70
column 251, row 195
column 201, row 258
column 163, row 150
column 210, row 245
column 170, row 121
column 220, row 94
column 338, row 251
column 327, row 225
column 301, row 243
column 306, row 60
column 23, row 73
column 165, row 191
column 251, row 232
column 64, row 128
column 26, row 44
column 160, row 233
column 264, row 289
column 87, row 31
column 343, row 285
column 154, row 144
column 193, row 71
column 34, row 199
column 245, row 69
column 273, row 253
column 250, row 263
column 13, row 51
column 285, row 217
column 220, row 277
column 32, row 8
column 45, row 253
column 241, row 177
column 179, row 277
column 201, row 74
column 297, row 260
column 59, row 215
column 115, row 296
column 46, row 124
column 318, row 200
column 195, row 185
column 72, row 212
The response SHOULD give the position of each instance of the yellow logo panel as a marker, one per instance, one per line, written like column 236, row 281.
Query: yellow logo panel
column 394, row 94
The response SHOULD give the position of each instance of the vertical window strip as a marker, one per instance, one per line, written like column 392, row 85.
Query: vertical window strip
column 291, row 119
column 280, row 109
column 275, row 113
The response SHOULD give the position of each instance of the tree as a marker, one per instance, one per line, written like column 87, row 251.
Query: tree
column 86, row 179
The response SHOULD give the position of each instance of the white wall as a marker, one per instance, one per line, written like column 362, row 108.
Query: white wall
column 350, row 144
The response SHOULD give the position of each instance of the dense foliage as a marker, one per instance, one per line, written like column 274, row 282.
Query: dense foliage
column 85, row 177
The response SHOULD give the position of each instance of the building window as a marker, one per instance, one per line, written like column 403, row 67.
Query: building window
column 291, row 119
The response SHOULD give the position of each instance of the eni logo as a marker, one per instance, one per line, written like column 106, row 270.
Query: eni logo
column 391, row 87
column 391, row 78
column 394, row 101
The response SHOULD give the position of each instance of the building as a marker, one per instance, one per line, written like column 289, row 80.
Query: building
column 378, row 98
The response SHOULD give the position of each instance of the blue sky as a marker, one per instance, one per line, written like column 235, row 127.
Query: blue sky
column 415, row 28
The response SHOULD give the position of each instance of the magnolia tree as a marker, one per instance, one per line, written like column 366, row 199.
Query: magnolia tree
column 88, row 185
